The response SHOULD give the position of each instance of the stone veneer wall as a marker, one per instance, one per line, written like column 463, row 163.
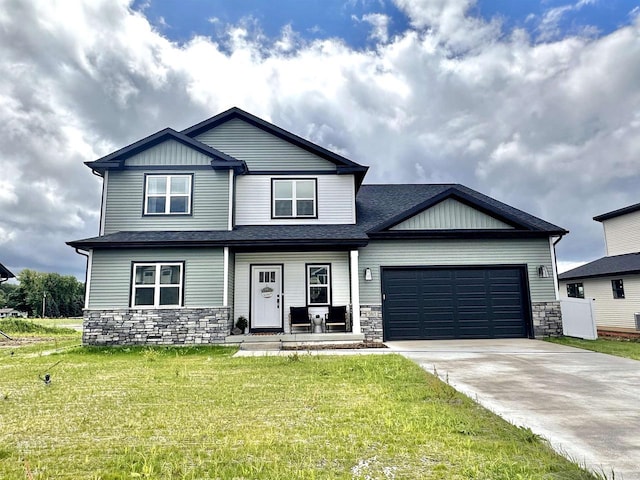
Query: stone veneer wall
column 371, row 322
column 183, row 326
column 547, row 319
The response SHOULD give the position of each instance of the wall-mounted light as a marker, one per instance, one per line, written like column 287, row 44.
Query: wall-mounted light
column 367, row 274
column 543, row 272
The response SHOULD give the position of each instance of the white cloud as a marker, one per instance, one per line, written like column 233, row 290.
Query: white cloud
column 552, row 128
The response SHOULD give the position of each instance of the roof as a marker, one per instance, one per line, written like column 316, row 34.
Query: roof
column 378, row 207
column 617, row 213
column 382, row 206
column 344, row 165
column 626, row 264
column 116, row 159
column 5, row 273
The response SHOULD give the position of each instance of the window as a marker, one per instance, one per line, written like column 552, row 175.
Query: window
column 157, row 285
column 575, row 290
column 167, row 195
column 318, row 284
column 618, row 288
column 294, row 198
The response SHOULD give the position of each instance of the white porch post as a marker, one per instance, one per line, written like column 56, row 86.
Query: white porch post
column 225, row 280
column 355, row 291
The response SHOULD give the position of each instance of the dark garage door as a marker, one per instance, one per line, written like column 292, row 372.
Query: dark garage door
column 449, row 303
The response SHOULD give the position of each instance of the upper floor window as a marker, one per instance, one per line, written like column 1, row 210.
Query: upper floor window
column 575, row 290
column 157, row 285
column 167, row 195
column 294, row 198
column 618, row 288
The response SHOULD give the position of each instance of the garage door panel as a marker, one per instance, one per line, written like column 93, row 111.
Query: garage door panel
column 434, row 303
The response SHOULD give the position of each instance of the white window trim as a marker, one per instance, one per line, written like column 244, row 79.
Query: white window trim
column 157, row 285
column 327, row 285
column 294, row 197
column 167, row 194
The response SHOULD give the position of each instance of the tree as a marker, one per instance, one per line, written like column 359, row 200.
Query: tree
column 64, row 294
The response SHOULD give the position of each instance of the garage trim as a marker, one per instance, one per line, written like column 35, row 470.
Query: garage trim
column 524, row 282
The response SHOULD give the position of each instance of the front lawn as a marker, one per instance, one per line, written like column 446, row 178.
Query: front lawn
column 198, row 413
column 621, row 348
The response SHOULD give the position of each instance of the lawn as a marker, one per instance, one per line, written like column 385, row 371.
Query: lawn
column 621, row 348
column 198, row 413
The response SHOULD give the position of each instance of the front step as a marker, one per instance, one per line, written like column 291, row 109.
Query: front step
column 261, row 346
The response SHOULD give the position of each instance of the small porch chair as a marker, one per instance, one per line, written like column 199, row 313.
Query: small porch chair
column 299, row 317
column 336, row 317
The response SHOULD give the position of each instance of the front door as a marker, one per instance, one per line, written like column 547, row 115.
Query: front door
column 266, row 298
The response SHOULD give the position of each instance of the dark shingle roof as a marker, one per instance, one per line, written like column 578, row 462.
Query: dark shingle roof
column 5, row 273
column 617, row 213
column 605, row 266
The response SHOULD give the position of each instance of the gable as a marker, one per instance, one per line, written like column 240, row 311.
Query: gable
column 169, row 152
column 261, row 150
column 450, row 214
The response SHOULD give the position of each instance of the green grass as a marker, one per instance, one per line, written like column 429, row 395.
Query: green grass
column 58, row 322
column 620, row 348
column 198, row 413
column 22, row 326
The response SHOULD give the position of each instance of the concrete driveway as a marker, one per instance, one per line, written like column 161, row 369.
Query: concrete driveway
column 586, row 404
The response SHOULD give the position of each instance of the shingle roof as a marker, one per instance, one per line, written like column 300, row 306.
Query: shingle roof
column 617, row 213
column 616, row 265
column 5, row 273
column 376, row 206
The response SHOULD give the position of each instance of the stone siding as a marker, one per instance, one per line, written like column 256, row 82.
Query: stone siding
column 547, row 319
column 183, row 326
column 371, row 322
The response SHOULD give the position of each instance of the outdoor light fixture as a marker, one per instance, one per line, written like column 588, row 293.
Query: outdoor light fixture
column 543, row 272
column 367, row 274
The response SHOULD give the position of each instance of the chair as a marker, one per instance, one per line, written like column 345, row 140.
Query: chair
column 299, row 317
column 336, row 317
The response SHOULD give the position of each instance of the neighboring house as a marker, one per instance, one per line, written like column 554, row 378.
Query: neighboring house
column 237, row 217
column 613, row 281
column 5, row 274
column 11, row 313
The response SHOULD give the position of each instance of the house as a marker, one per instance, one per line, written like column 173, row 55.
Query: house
column 11, row 313
column 5, row 274
column 237, row 217
column 613, row 281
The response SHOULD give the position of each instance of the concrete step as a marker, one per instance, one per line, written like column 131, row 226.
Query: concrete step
column 260, row 346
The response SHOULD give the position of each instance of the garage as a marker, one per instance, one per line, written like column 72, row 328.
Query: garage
column 423, row 303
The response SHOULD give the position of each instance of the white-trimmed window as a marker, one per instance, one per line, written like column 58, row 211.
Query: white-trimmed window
column 157, row 285
column 167, row 195
column 319, row 284
column 618, row 288
column 294, row 198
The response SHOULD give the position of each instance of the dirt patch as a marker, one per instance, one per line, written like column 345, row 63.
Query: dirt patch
column 21, row 341
column 616, row 335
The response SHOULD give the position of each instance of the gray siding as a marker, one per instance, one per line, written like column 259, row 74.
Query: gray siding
column 111, row 275
column 294, row 278
column 451, row 214
column 622, row 234
column 125, row 203
column 261, row 150
column 336, row 204
column 389, row 253
column 610, row 312
column 168, row 153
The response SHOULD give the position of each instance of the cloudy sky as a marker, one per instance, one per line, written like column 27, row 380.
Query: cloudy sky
column 536, row 103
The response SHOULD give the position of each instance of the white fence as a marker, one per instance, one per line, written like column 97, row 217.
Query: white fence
column 578, row 318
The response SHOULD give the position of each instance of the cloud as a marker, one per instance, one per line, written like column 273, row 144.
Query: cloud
column 550, row 127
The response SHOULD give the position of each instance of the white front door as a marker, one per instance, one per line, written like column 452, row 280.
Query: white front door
column 266, row 297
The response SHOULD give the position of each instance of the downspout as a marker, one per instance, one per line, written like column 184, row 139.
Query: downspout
column 86, row 277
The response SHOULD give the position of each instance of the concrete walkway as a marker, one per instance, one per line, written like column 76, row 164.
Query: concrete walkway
column 586, row 404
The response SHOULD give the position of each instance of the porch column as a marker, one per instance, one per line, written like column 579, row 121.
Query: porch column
column 225, row 274
column 355, row 291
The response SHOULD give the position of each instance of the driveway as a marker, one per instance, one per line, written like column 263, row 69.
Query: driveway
column 586, row 404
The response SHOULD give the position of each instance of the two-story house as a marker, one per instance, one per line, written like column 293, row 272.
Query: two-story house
column 237, row 217
column 613, row 281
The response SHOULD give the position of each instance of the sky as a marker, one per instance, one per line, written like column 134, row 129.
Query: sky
column 535, row 103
